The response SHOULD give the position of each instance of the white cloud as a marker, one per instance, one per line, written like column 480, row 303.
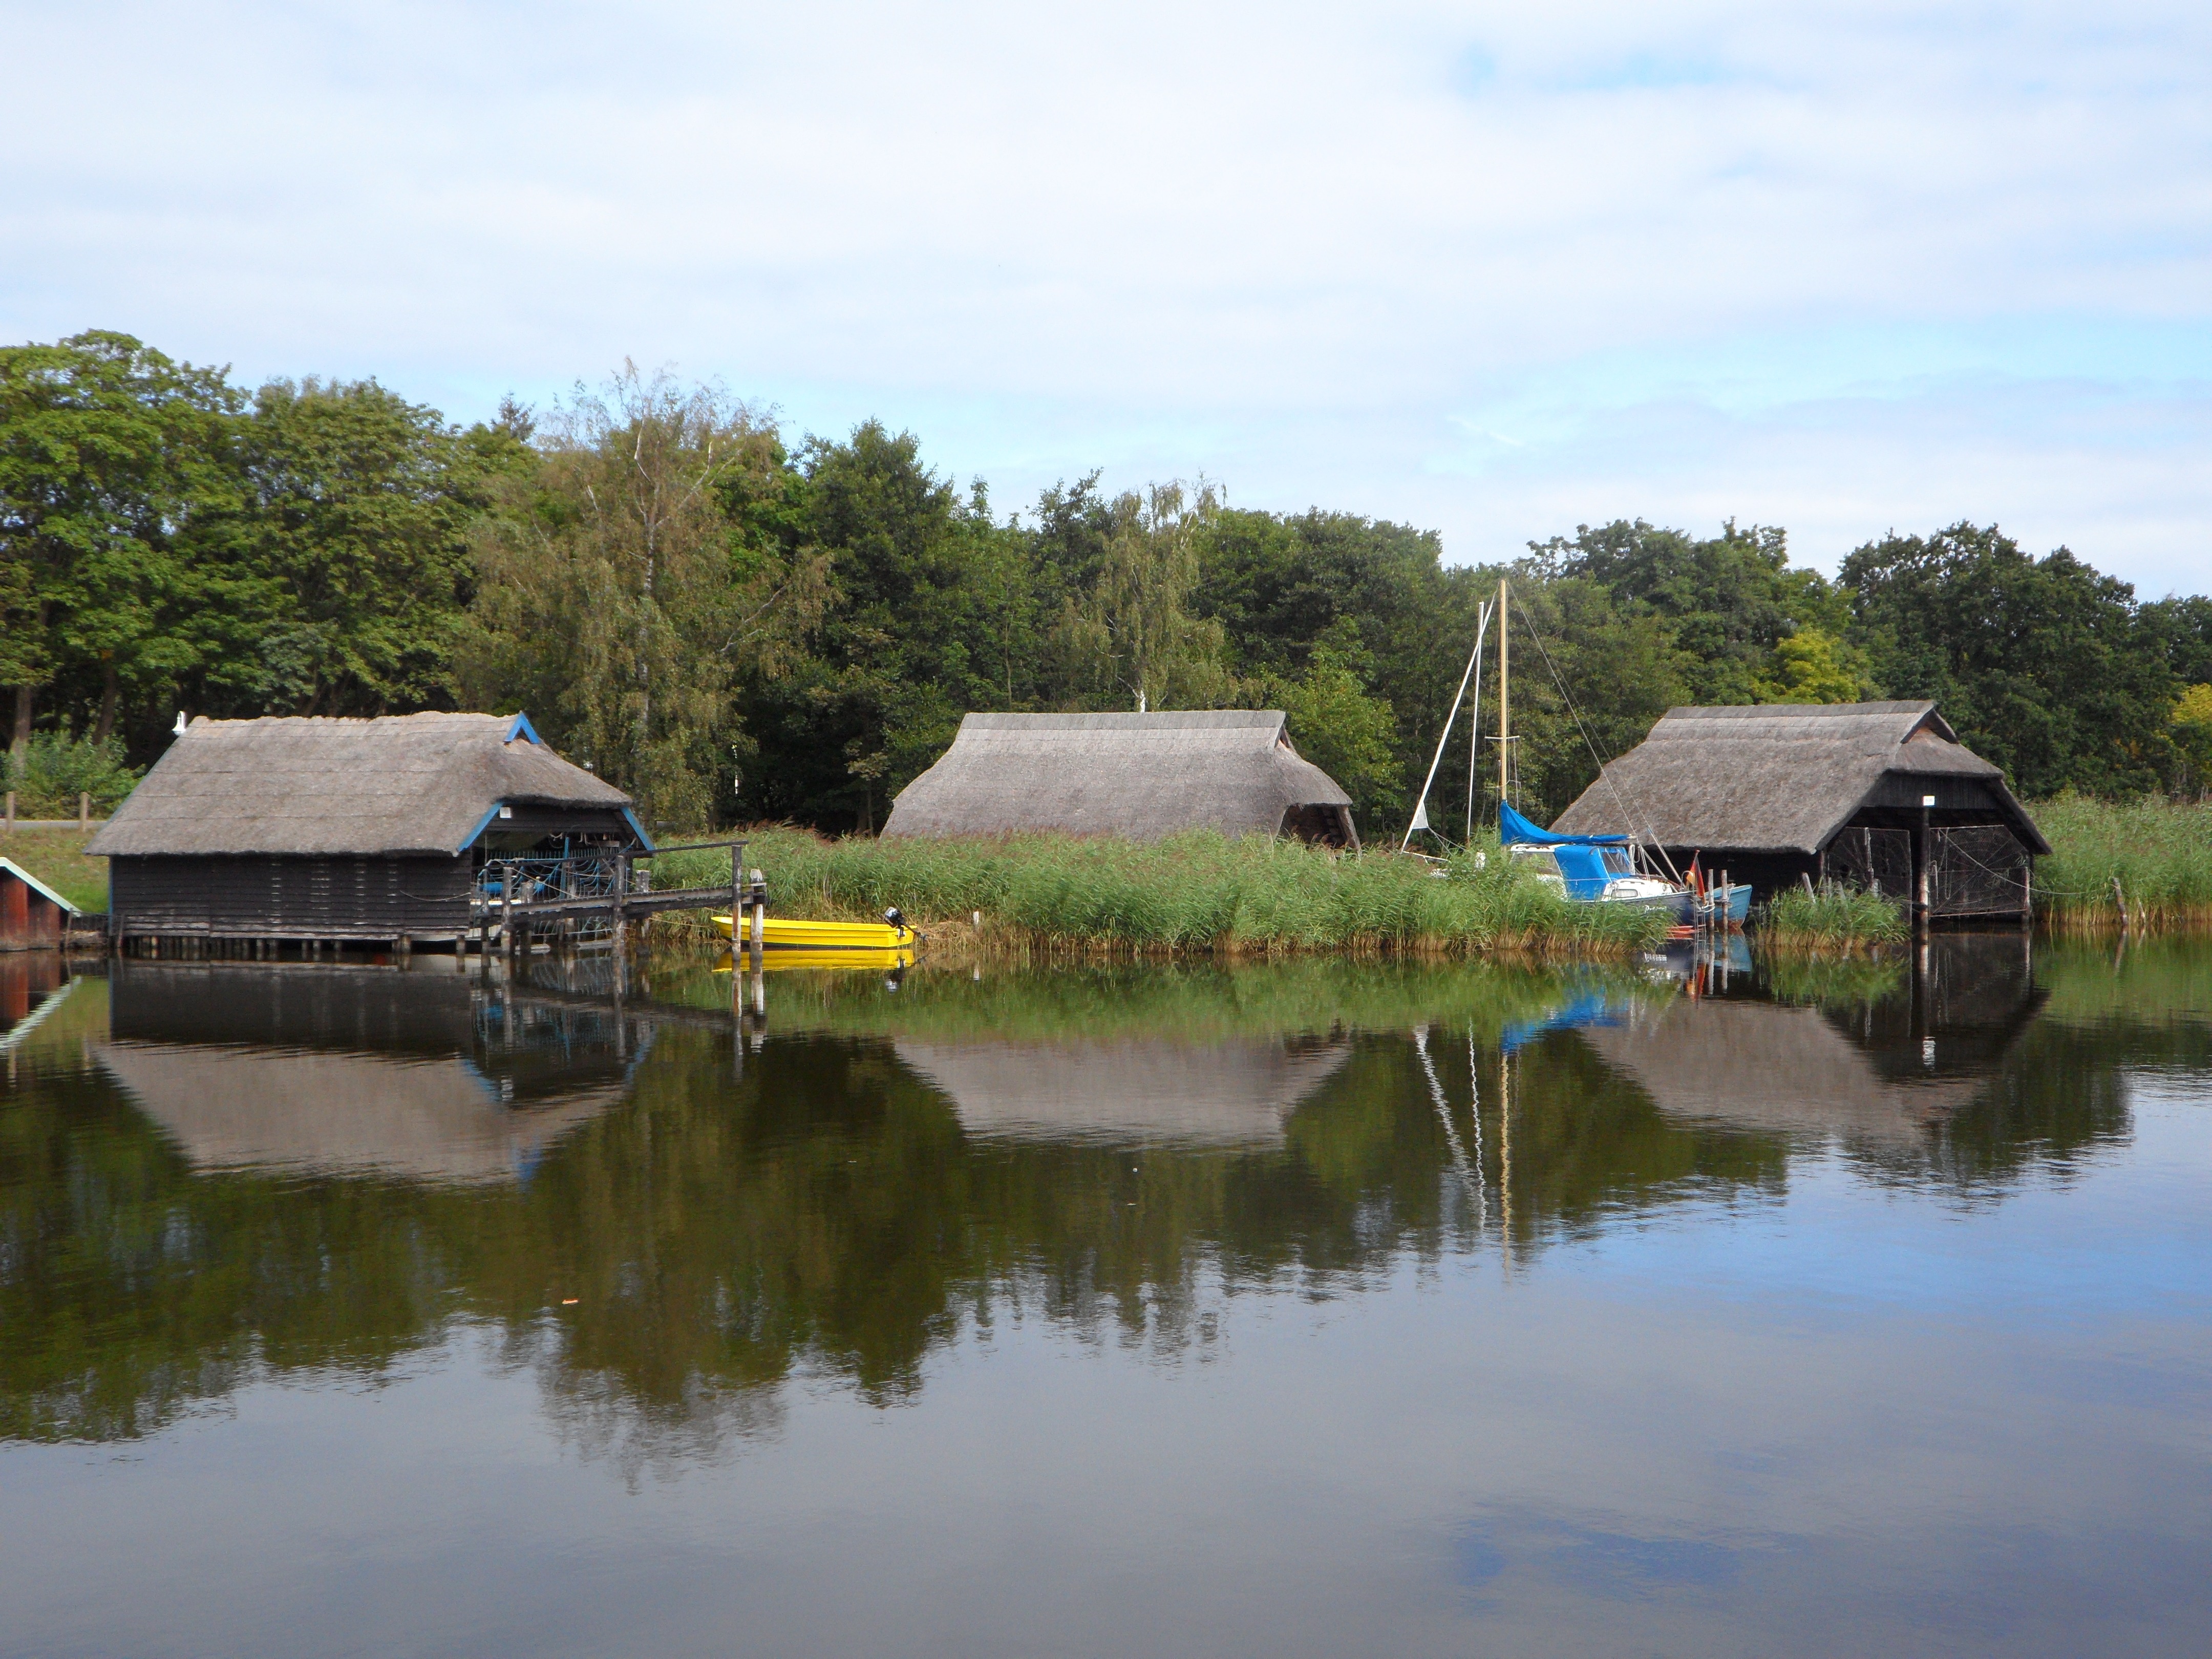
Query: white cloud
column 1835, row 267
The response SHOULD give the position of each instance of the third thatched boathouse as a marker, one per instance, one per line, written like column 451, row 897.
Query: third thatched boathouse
column 1880, row 795
column 382, row 830
column 1137, row 776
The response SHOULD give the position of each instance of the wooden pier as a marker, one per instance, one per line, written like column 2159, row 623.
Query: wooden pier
column 511, row 924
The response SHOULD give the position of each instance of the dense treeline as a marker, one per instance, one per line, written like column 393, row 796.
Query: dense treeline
column 739, row 628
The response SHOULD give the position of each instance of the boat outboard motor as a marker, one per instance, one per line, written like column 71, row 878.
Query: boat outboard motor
column 894, row 916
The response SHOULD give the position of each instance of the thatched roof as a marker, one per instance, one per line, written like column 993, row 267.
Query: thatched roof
column 1777, row 777
column 1126, row 1091
column 1138, row 775
column 406, row 783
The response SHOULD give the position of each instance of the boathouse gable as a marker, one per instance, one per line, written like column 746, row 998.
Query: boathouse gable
column 318, row 829
column 1140, row 776
column 1874, row 794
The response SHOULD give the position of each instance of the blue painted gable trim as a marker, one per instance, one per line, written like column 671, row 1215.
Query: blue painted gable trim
column 644, row 838
column 470, row 840
column 521, row 728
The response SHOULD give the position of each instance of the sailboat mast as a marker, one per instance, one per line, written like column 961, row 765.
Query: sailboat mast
column 1504, row 707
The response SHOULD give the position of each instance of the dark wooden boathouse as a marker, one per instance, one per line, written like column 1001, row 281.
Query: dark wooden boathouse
column 1878, row 795
column 390, row 830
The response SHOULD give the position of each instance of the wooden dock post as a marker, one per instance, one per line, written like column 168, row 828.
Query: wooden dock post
column 621, row 903
column 760, row 918
column 737, row 901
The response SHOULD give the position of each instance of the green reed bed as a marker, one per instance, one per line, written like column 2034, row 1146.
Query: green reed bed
column 1829, row 918
column 1193, row 893
column 2160, row 854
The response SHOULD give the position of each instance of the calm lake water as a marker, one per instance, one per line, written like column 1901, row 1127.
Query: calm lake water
column 1313, row 1309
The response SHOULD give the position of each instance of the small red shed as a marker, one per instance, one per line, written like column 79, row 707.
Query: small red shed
column 33, row 916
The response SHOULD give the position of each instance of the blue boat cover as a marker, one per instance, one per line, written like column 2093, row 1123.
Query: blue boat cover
column 1582, row 868
column 1515, row 831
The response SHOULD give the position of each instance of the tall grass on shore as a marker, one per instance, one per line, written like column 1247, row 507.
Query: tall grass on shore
column 2160, row 854
column 1196, row 893
column 1830, row 918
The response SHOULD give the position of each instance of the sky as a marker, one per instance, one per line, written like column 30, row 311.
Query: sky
column 1492, row 271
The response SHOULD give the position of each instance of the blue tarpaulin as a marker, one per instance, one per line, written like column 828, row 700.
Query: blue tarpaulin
column 1515, row 831
column 1582, row 868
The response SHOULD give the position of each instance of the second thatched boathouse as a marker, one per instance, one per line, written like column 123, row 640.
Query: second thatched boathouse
column 363, row 830
column 1879, row 795
column 1138, row 775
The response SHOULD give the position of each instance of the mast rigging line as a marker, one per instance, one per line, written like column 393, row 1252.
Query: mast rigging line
column 1590, row 743
column 1420, row 818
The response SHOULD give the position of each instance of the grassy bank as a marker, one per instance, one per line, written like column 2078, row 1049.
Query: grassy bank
column 57, row 858
column 2160, row 855
column 1194, row 894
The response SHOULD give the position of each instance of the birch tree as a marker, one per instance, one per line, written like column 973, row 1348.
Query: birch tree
column 618, row 599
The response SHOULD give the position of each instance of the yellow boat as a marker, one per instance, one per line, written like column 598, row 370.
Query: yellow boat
column 788, row 934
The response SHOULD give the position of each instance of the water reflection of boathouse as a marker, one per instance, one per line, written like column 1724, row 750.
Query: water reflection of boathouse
column 362, row 1072
column 1237, row 1092
column 1884, row 1071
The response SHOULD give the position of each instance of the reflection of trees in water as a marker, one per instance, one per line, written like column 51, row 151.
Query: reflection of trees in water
column 825, row 1212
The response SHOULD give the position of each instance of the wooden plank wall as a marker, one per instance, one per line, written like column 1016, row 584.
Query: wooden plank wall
column 267, row 897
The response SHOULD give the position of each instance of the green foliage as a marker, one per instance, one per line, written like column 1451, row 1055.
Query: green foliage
column 338, row 583
column 619, row 598
column 1814, row 666
column 928, row 610
column 2042, row 665
column 1373, row 596
column 1571, row 639
column 109, row 452
column 2191, row 732
column 1730, row 603
column 1337, row 726
column 1131, row 638
column 56, row 767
